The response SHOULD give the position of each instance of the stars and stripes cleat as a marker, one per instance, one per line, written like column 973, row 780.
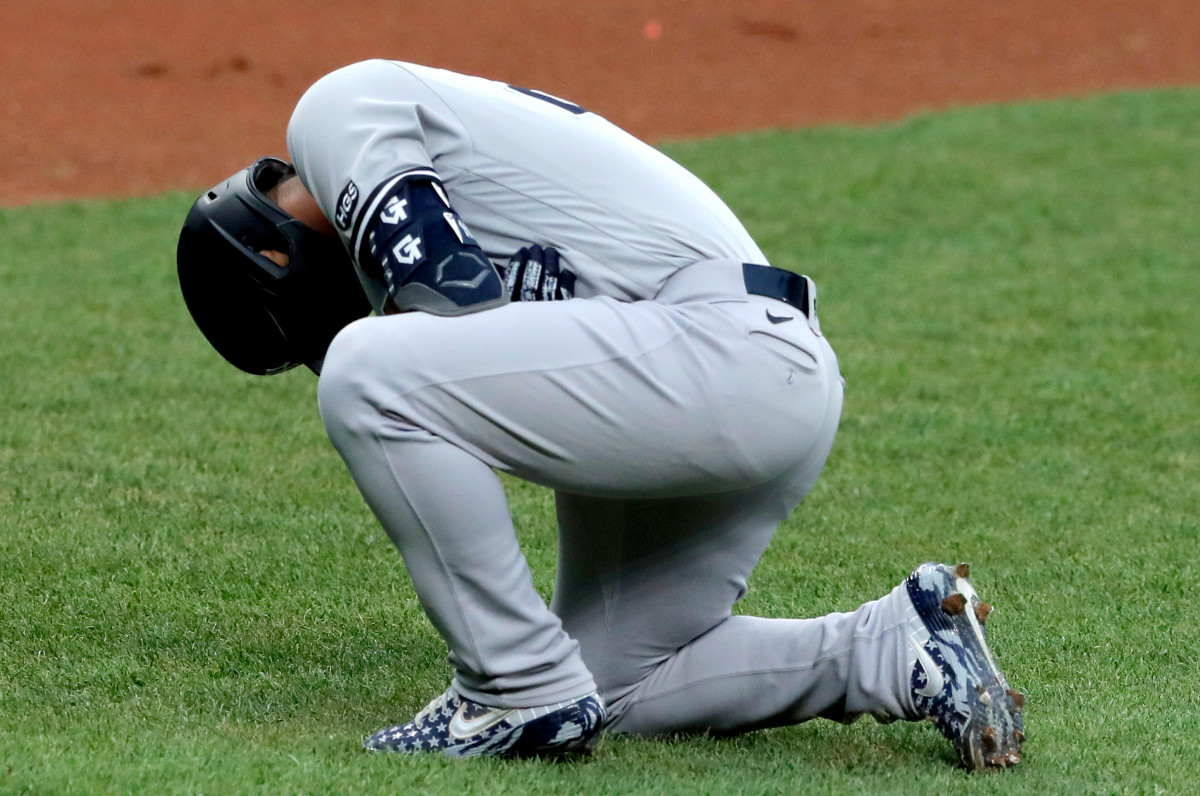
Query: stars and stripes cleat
column 956, row 682
column 458, row 727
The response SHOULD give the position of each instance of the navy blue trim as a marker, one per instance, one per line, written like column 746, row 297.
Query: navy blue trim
column 566, row 105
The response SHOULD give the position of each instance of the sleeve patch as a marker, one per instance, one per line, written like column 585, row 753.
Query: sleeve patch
column 346, row 203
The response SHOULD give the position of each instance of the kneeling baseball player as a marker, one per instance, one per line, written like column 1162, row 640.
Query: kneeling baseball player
column 556, row 300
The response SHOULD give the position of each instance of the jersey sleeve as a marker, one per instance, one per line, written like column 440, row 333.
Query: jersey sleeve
column 355, row 129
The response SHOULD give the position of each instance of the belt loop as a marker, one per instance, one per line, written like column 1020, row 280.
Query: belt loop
column 814, row 322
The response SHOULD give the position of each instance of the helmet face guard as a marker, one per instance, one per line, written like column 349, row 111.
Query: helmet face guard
column 263, row 317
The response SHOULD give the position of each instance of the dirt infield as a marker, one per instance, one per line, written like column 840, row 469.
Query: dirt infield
column 109, row 97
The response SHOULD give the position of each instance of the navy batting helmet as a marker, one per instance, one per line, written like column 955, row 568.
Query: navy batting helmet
column 263, row 317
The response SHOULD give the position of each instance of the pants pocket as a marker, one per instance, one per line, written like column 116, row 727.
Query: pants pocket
column 791, row 350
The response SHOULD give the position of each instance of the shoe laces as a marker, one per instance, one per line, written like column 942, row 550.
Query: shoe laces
column 437, row 706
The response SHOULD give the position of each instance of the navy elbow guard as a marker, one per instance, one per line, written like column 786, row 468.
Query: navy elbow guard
column 415, row 242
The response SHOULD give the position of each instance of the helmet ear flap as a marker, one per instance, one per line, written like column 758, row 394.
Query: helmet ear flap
column 261, row 316
column 225, row 304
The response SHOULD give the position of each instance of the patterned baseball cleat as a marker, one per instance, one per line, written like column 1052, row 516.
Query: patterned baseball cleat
column 458, row 727
column 956, row 682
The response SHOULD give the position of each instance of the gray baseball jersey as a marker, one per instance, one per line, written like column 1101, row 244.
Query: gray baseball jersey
column 677, row 417
column 520, row 167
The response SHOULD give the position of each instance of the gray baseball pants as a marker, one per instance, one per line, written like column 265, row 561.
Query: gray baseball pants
column 676, row 434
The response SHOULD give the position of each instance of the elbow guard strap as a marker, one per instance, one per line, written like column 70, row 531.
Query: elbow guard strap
column 415, row 242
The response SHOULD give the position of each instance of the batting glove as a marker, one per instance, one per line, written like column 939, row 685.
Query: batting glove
column 534, row 274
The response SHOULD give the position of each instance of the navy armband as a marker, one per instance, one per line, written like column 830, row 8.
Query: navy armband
column 413, row 240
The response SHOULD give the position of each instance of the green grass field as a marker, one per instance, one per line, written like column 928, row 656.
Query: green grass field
column 194, row 598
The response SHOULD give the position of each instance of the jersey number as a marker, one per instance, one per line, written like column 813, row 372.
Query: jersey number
column 553, row 100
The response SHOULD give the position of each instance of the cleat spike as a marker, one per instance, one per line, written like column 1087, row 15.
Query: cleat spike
column 963, row 571
column 1019, row 736
column 985, row 698
column 1018, row 699
column 955, row 604
column 982, row 611
column 989, row 740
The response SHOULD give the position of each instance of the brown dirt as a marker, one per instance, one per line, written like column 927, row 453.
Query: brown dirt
column 111, row 97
